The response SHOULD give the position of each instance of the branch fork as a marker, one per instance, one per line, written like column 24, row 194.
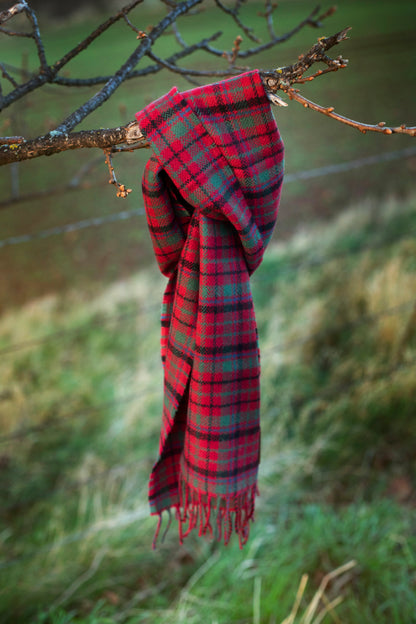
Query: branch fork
column 129, row 137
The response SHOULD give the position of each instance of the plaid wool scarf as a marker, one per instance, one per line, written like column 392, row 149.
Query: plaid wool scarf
column 211, row 192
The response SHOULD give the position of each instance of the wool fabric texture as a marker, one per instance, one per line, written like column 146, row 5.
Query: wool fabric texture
column 211, row 192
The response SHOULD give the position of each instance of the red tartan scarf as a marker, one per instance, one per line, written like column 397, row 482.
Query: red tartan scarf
column 211, row 192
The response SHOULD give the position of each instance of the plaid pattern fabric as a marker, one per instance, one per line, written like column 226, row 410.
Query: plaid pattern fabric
column 211, row 192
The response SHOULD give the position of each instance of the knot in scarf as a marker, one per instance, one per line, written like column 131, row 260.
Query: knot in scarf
column 211, row 193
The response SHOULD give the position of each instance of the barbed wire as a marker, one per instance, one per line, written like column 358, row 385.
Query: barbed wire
column 130, row 516
column 111, row 523
column 128, row 214
column 75, row 184
column 121, row 317
column 350, row 165
column 123, row 215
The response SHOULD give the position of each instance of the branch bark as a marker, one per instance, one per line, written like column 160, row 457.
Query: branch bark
column 128, row 137
column 359, row 125
column 14, row 10
column 115, row 81
column 55, row 142
column 50, row 72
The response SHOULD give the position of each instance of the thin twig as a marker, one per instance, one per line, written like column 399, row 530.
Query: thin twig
column 283, row 77
column 318, row 73
column 178, row 35
column 7, row 76
column 118, row 78
column 185, row 71
column 122, row 191
column 14, row 33
column 232, row 57
column 234, row 14
column 140, row 33
column 270, row 7
column 362, row 127
column 150, row 69
column 31, row 15
column 49, row 73
column 308, row 21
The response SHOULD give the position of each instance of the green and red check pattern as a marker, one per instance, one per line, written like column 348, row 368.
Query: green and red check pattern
column 211, row 192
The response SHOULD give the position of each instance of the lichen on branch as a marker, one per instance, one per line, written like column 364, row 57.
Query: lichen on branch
column 128, row 137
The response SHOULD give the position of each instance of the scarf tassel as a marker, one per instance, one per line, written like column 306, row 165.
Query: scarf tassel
column 213, row 516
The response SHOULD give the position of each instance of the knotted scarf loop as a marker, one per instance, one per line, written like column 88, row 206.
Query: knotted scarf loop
column 211, row 192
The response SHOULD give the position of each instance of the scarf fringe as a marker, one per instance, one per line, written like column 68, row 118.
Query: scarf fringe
column 213, row 516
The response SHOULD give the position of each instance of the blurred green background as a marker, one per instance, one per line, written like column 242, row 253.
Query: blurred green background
column 81, row 380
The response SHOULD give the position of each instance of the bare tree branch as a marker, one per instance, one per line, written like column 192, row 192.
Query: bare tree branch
column 234, row 13
column 115, row 81
column 14, row 10
column 38, row 39
column 185, row 71
column 284, row 77
column 76, row 183
column 178, row 35
column 270, row 7
column 6, row 75
column 55, row 142
column 308, row 21
column 150, row 69
column 14, row 33
column 49, row 72
column 362, row 127
column 93, row 36
column 128, row 137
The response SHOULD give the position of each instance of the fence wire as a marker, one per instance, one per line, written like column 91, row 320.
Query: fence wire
column 257, row 279
column 350, row 165
column 123, row 215
column 338, row 391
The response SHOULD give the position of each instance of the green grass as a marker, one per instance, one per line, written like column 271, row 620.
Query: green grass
column 337, row 448
column 377, row 86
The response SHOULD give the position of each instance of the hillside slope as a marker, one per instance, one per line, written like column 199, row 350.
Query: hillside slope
column 80, row 406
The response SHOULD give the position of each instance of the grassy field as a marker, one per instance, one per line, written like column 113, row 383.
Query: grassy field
column 80, row 415
column 378, row 85
column 81, row 379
